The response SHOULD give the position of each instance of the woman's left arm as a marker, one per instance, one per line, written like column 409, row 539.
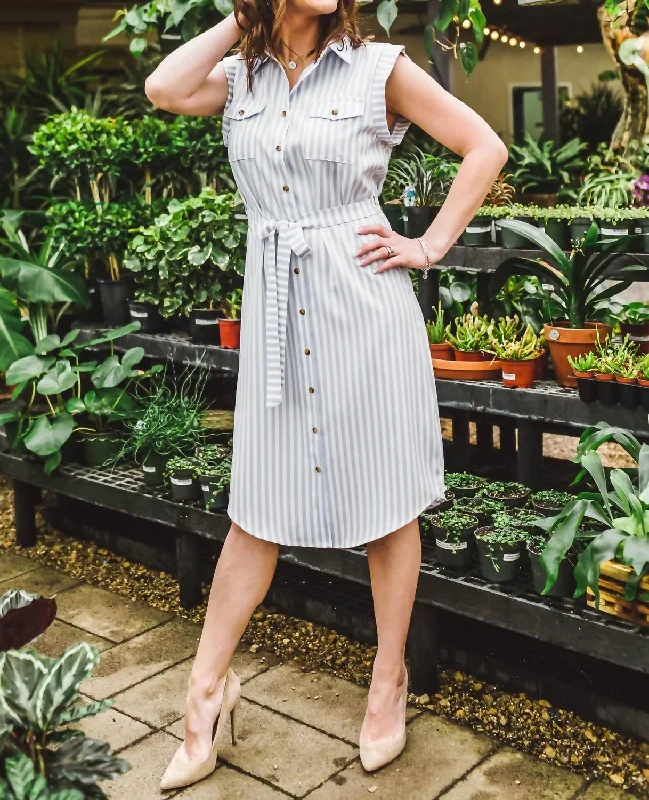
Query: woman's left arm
column 412, row 93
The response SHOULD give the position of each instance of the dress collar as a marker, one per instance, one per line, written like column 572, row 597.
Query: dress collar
column 341, row 46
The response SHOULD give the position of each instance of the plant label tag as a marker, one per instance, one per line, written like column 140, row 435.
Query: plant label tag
column 451, row 545
column 511, row 556
column 140, row 314
column 182, row 481
column 206, row 321
column 613, row 232
column 205, row 488
column 637, row 230
column 509, row 376
column 542, row 228
column 147, row 468
column 478, row 229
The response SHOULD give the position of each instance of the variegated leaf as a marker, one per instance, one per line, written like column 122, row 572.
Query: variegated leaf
column 20, row 675
column 60, row 687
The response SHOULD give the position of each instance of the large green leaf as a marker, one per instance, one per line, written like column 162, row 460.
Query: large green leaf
column 534, row 234
column 21, row 776
column 84, row 761
column 36, row 284
column 13, row 345
column 28, row 368
column 44, row 437
column 386, row 13
column 112, row 372
column 563, row 536
column 20, row 674
column 59, row 378
column 603, row 548
column 592, row 462
column 468, row 56
column 60, row 687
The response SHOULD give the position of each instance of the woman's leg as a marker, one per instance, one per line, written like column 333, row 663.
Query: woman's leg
column 243, row 574
column 394, row 562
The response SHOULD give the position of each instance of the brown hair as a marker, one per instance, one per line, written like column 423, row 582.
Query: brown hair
column 262, row 19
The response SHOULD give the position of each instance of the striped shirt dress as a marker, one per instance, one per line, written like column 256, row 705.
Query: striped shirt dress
column 336, row 436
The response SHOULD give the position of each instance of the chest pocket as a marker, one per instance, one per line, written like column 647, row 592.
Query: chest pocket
column 334, row 128
column 245, row 119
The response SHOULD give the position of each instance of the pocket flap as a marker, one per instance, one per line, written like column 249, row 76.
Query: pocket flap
column 245, row 107
column 338, row 109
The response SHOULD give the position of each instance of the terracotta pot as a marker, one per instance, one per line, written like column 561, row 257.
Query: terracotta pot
column 442, row 350
column 471, row 355
column 564, row 341
column 519, row 374
column 540, row 363
column 627, row 381
column 586, row 375
column 229, row 331
column 643, row 382
column 602, row 376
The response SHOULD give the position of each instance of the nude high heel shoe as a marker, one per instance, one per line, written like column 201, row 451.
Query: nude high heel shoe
column 183, row 771
column 377, row 753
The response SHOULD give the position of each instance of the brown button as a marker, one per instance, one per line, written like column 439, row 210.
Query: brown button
column 307, row 352
column 318, row 469
column 334, row 111
column 315, row 430
column 302, row 311
column 240, row 111
column 285, row 188
column 296, row 270
column 311, row 389
column 283, row 113
column 278, row 147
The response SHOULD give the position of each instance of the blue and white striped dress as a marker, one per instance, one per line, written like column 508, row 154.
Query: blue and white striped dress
column 336, row 428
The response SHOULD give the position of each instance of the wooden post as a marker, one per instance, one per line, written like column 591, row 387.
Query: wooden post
column 530, row 453
column 423, row 649
column 24, row 514
column 188, row 570
column 550, row 93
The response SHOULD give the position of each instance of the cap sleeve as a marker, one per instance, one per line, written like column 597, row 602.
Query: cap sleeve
column 387, row 58
column 230, row 65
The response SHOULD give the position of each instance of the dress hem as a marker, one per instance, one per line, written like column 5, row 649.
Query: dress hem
column 276, row 540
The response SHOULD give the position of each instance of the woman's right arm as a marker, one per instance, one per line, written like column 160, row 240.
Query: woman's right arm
column 192, row 80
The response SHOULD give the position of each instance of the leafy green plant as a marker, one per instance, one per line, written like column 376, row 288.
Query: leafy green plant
column 608, row 182
column 551, row 498
column 586, row 362
column 501, row 192
column 503, row 490
column 453, row 526
column 495, row 538
column 515, row 518
column 471, row 333
column 190, row 256
column 592, row 115
column 523, row 348
column 435, row 329
column 182, row 464
column 620, row 503
column 636, row 313
column 613, row 358
column 231, row 304
column 463, row 480
column 544, row 167
column 429, row 174
column 479, row 506
column 579, row 278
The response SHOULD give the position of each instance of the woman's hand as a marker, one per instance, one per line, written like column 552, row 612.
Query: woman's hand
column 406, row 252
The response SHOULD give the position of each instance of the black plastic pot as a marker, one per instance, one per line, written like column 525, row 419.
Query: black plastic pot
column 394, row 214
column 9, row 431
column 511, row 502
column 213, row 500
column 503, row 563
column 169, row 40
column 609, row 231
column 607, row 392
column 147, row 315
column 478, row 232
column 184, row 486
column 628, row 394
column 204, row 326
column 545, row 511
column 587, row 389
column 93, row 313
column 512, row 240
column 565, row 584
column 467, row 491
column 559, row 231
column 579, row 228
column 643, row 240
column 100, row 449
column 644, row 397
column 72, row 450
column 114, row 301
column 452, row 554
column 418, row 219
column 153, row 467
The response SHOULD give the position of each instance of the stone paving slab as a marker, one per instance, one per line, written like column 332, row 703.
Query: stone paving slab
column 283, row 752
column 148, row 760
column 113, row 727
column 12, row 565
column 158, row 701
column 515, row 776
column 60, row 635
column 437, row 754
column 44, row 581
column 605, row 791
column 142, row 657
column 228, row 784
column 106, row 614
column 330, row 704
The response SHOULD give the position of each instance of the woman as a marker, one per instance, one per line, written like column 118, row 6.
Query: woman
column 337, row 440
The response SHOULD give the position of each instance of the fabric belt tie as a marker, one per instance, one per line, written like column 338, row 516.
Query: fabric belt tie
column 277, row 269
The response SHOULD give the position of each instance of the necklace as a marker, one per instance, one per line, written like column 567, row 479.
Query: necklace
column 292, row 64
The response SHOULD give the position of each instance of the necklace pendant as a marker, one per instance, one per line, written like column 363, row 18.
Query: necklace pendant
column 292, row 64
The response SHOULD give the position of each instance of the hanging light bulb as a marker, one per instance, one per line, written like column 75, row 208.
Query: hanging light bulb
column 494, row 35
column 513, row 41
column 466, row 24
column 521, row 44
column 487, row 31
column 497, row 2
column 580, row 49
column 504, row 38
column 537, row 50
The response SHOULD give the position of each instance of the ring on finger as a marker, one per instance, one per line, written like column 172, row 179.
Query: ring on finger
column 390, row 250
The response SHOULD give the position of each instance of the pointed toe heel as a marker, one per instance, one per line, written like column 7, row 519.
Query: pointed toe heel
column 380, row 752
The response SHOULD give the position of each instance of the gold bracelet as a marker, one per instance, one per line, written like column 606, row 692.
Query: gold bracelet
column 423, row 247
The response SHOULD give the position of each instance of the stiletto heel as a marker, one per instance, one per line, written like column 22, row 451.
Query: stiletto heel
column 378, row 753
column 183, row 771
column 232, row 725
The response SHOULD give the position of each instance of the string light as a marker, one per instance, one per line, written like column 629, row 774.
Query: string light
column 487, row 32
column 521, row 44
column 537, row 50
column 513, row 41
column 495, row 35
column 466, row 24
column 580, row 49
column 497, row 2
column 504, row 38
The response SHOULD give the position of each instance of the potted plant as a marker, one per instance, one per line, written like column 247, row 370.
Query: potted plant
column 462, row 484
column 608, row 184
column 627, row 380
column 478, row 233
column 146, row 314
column 453, row 531
column 578, row 279
column 439, row 347
column 584, row 368
column 230, row 323
column 518, row 358
column 510, row 239
column 499, row 552
column 182, row 475
column 549, row 502
column 634, row 322
column 565, row 583
column 472, row 336
column 580, row 223
column 543, row 171
column 643, row 380
column 480, row 507
column 214, row 468
column 516, row 518
column 512, row 494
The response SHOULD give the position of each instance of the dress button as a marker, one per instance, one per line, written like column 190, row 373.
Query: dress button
column 318, row 469
column 334, row 111
column 283, row 113
column 240, row 111
column 315, row 430
column 296, row 270
column 278, row 147
column 285, row 188
column 311, row 389
column 302, row 311
column 307, row 352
